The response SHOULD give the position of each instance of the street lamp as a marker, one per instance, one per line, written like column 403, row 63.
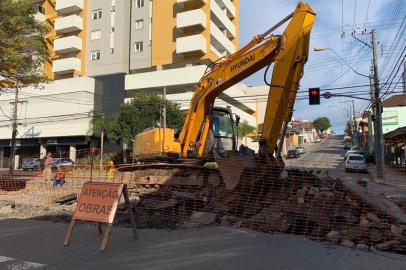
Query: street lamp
column 320, row 49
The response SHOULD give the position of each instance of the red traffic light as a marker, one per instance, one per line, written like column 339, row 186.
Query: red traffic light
column 314, row 96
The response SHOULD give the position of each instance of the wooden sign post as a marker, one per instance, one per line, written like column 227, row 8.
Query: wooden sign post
column 98, row 202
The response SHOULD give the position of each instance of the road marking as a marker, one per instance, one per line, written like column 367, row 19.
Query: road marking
column 26, row 266
column 5, row 259
column 14, row 264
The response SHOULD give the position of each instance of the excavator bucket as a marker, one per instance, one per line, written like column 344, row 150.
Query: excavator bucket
column 232, row 165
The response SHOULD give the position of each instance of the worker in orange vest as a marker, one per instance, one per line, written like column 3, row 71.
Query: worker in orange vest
column 59, row 178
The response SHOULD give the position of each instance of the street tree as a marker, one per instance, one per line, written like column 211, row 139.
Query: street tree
column 98, row 128
column 245, row 129
column 322, row 123
column 23, row 49
column 143, row 112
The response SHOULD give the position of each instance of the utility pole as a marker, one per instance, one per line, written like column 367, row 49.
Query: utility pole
column 14, row 132
column 163, row 124
column 379, row 142
column 354, row 124
column 164, row 109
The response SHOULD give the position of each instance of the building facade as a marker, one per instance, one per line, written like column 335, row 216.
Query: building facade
column 105, row 51
column 98, row 37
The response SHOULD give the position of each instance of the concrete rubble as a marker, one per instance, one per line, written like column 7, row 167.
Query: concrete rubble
column 302, row 203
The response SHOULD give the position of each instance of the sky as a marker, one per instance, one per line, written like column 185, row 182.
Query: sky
column 325, row 69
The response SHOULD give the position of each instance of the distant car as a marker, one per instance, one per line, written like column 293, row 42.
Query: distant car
column 293, row 153
column 301, row 149
column 317, row 140
column 60, row 163
column 347, row 146
column 355, row 162
column 355, row 148
column 31, row 164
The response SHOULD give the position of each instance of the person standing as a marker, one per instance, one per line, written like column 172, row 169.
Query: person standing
column 48, row 167
column 110, row 172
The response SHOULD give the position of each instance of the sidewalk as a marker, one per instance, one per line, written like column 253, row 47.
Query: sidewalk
column 392, row 177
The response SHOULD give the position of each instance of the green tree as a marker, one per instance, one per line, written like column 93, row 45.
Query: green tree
column 143, row 112
column 244, row 129
column 22, row 44
column 322, row 123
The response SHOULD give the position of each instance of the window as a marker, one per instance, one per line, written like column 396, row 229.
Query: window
column 139, row 46
column 139, row 3
column 96, row 34
column 96, row 14
column 139, row 24
column 95, row 55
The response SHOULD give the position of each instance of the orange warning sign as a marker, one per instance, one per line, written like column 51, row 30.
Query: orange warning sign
column 98, row 202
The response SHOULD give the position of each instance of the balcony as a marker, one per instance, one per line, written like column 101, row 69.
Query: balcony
column 39, row 17
column 68, row 6
column 40, row 12
column 66, row 65
column 191, row 44
column 182, row 2
column 221, row 20
column 228, row 6
column 220, row 41
column 191, row 19
column 69, row 24
column 68, row 44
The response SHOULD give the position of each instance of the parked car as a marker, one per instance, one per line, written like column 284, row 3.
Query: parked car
column 355, row 162
column 60, row 163
column 293, row 153
column 31, row 164
column 301, row 149
column 347, row 146
column 355, row 148
column 317, row 140
column 349, row 152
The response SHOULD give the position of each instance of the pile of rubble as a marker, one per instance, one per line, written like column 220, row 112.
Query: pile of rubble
column 304, row 204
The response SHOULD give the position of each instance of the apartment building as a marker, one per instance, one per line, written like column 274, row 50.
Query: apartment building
column 127, row 46
column 98, row 37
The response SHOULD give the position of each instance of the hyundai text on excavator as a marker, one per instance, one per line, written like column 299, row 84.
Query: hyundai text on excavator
column 209, row 133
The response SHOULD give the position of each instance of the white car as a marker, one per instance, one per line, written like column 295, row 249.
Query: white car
column 355, row 162
column 301, row 149
column 60, row 163
column 31, row 164
column 351, row 152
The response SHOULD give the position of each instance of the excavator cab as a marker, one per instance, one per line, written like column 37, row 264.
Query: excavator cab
column 222, row 135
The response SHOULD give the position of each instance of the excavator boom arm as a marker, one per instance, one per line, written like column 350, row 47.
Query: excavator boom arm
column 289, row 52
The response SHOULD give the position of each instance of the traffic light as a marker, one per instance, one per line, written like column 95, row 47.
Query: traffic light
column 314, row 96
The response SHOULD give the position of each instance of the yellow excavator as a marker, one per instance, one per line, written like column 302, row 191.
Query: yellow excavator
column 209, row 132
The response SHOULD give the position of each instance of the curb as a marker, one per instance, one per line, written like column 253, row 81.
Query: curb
column 383, row 183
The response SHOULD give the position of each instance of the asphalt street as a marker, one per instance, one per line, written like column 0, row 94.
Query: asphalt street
column 329, row 155
column 30, row 244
